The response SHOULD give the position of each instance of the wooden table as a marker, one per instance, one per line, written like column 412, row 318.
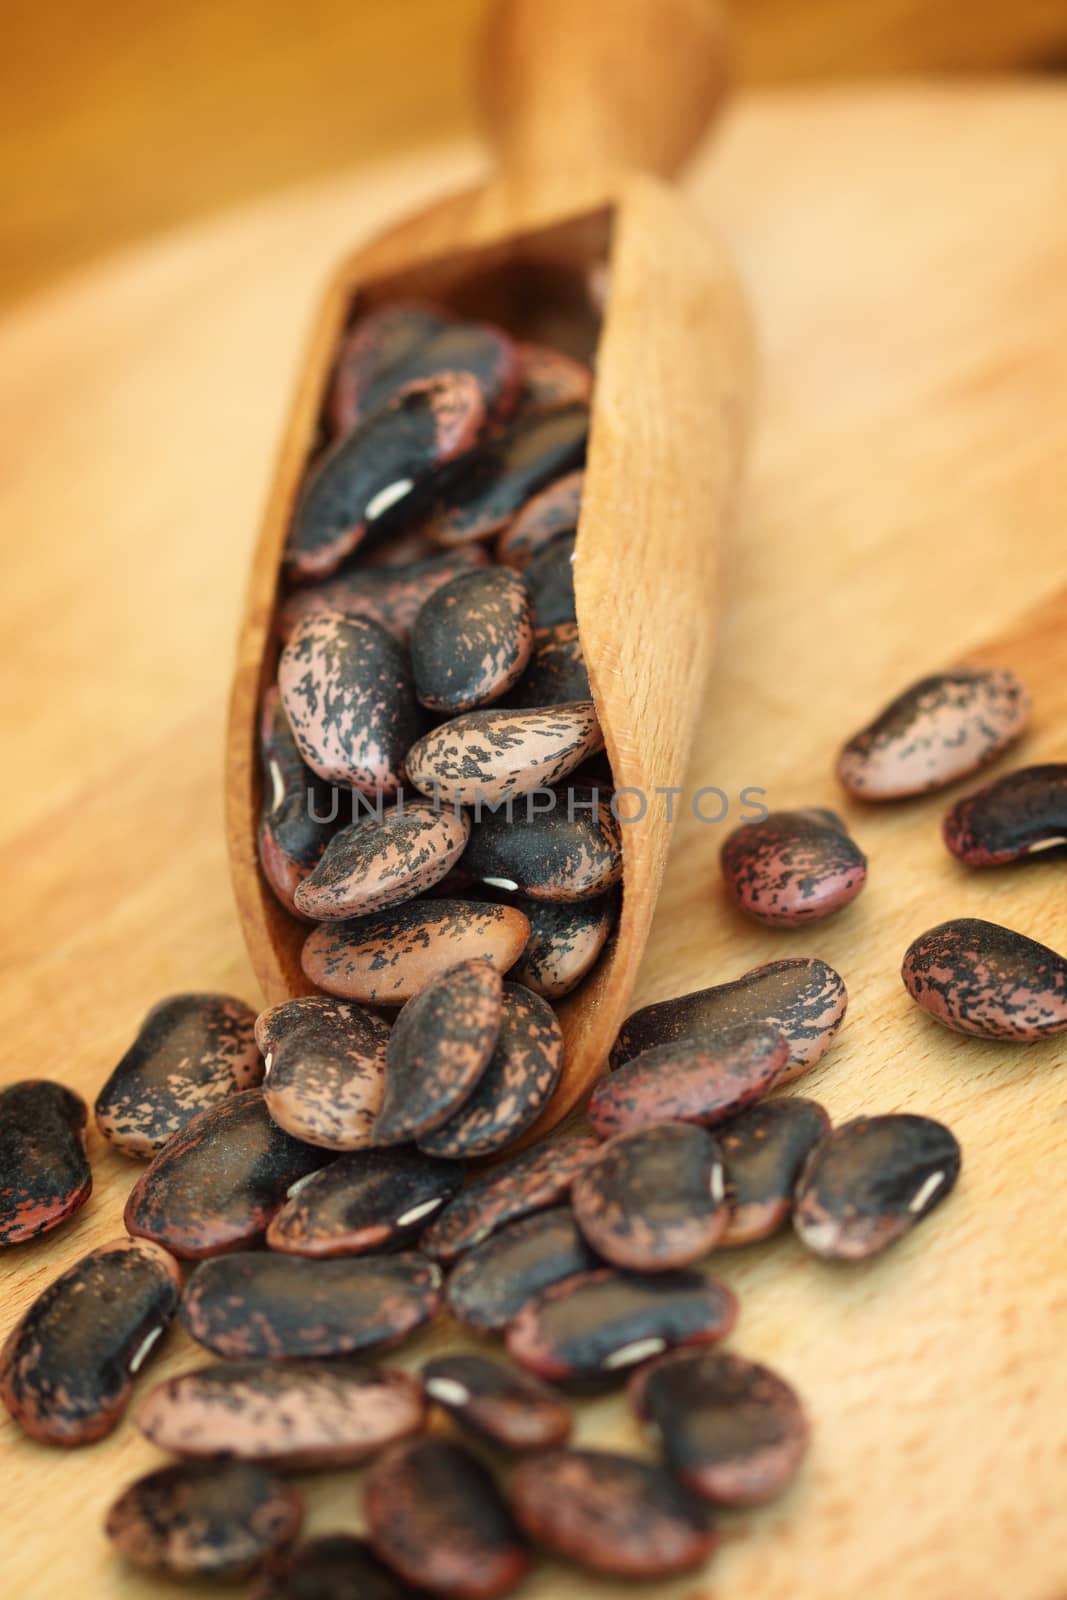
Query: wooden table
column 906, row 254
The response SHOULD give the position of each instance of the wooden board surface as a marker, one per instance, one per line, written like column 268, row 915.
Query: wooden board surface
column 908, row 263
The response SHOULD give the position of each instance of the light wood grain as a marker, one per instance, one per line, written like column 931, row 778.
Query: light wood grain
column 673, row 363
column 905, row 504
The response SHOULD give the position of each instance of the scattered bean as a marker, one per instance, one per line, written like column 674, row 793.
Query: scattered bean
column 365, row 383
column 611, row 1513
column 1019, row 815
column 494, row 1280
column 514, row 1088
column 377, row 341
column 793, row 867
column 441, row 1044
column 45, row 1175
column 337, row 1566
column 204, row 1520
column 801, row 997
column 703, row 1080
column 497, row 1402
column 297, row 1415
column 437, row 1518
column 192, row 1050
column 389, row 957
column 67, row 1367
column 979, row 978
column 765, row 1149
column 216, row 1184
column 604, row 1322
column 325, row 1063
column 938, row 730
column 870, row 1181
column 277, row 1307
column 291, row 836
column 391, row 596
column 654, row 1198
column 732, row 1431
column 557, row 673
column 366, row 1200
column 550, row 580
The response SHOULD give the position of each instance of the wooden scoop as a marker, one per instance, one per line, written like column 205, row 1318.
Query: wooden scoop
column 587, row 104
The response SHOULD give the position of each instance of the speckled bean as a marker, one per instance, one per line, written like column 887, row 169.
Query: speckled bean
column 690, row 1080
column 568, row 849
column 297, row 1415
column 325, row 1062
column 764, row 1151
column 371, row 369
column 938, row 730
column 493, row 1281
column 389, row 595
column 495, row 1401
column 506, row 471
column 870, row 1181
column 550, row 379
column 550, row 579
column 377, row 863
column 191, row 1051
column 366, row 1200
column 566, row 939
column 45, row 1175
column 512, row 1189
column 68, row 1365
column 297, row 810
column 336, row 1566
column 1020, row 815
column 377, row 341
column 793, row 867
column 654, row 1198
column 261, row 1305
column 441, row 1044
column 486, row 756
column 978, row 978
column 387, row 958
column 557, row 673
column 472, row 640
column 552, row 511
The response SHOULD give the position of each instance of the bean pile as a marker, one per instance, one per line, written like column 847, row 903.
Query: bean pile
column 307, row 1197
column 430, row 671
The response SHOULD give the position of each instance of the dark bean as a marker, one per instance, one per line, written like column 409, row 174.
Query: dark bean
column 800, row 997
column 484, row 757
column 503, row 474
column 45, row 1176
column 391, row 956
column 325, row 1062
column 979, row 978
column 494, row 1280
column 870, row 1181
column 550, row 580
column 1019, row 815
column 607, row 1321
column 557, row 672
column 550, row 379
column 437, row 1518
column 472, row 640
column 216, row 1184
column 291, row 835
column 270, row 1306
column 366, row 1200
column 391, row 596
column 764, row 1150
column 514, row 1088
column 732, row 1431
column 702, row 1080
column 483, row 352
column 383, row 471
column 566, row 938
column 192, row 1050
column 938, row 730
column 337, row 1566
column 298, row 1415
column 377, row 863
column 201, row 1520
column 441, row 1044
column 526, row 1183
column 610, row 1513
column 568, row 849
column 377, row 341
column 347, row 690
column 495, row 1401
column 654, row 1198
column 793, row 867
column 67, row 1367
column 552, row 511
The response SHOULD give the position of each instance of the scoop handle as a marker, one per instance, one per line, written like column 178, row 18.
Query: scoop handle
column 603, row 84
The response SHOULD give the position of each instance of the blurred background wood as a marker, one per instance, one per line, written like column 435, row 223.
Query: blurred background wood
column 120, row 119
